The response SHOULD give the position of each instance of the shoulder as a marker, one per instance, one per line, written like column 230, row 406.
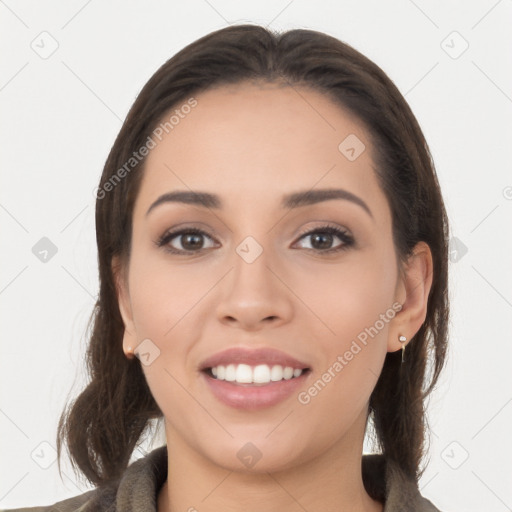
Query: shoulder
column 136, row 490
column 78, row 503
column 387, row 483
column 426, row 505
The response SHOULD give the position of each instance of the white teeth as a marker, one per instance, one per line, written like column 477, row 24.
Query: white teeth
column 261, row 374
column 288, row 373
column 244, row 374
column 276, row 373
column 230, row 373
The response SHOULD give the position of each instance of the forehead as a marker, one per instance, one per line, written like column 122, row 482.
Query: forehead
column 267, row 140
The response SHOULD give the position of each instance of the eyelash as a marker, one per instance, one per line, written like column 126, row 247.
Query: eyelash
column 347, row 240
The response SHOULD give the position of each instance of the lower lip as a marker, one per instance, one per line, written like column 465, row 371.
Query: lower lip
column 254, row 396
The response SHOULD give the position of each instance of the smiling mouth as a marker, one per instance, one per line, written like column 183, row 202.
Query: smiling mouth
column 259, row 375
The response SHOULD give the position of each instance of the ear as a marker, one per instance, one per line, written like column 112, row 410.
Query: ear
column 412, row 292
column 123, row 298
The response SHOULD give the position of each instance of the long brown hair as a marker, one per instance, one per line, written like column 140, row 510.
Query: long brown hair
column 106, row 421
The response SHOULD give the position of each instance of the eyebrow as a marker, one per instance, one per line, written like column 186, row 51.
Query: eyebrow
column 290, row 201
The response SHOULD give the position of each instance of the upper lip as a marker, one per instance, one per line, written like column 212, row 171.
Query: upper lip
column 238, row 355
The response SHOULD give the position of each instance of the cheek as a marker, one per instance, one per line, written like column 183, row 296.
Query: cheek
column 165, row 310
column 354, row 305
column 168, row 305
column 350, row 296
column 165, row 297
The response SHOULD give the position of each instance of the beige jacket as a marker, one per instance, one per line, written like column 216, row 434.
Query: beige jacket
column 138, row 489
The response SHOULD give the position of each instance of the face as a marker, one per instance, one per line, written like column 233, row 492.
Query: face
column 314, row 285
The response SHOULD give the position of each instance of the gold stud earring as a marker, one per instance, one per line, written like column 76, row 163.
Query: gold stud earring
column 129, row 353
column 402, row 340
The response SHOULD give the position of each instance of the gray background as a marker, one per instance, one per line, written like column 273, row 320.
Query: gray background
column 69, row 73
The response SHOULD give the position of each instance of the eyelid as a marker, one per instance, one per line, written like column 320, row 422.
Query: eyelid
column 323, row 225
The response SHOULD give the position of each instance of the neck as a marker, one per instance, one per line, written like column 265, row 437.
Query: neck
column 330, row 482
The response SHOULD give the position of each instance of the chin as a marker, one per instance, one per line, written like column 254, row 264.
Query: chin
column 255, row 454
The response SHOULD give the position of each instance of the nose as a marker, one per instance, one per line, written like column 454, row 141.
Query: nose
column 253, row 294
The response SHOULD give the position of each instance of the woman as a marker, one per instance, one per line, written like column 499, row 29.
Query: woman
column 272, row 246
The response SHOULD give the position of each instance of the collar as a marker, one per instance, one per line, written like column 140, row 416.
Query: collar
column 384, row 481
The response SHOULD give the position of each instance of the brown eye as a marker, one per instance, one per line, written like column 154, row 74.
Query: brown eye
column 190, row 239
column 322, row 239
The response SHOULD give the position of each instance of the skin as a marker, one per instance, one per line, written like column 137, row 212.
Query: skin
column 251, row 144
